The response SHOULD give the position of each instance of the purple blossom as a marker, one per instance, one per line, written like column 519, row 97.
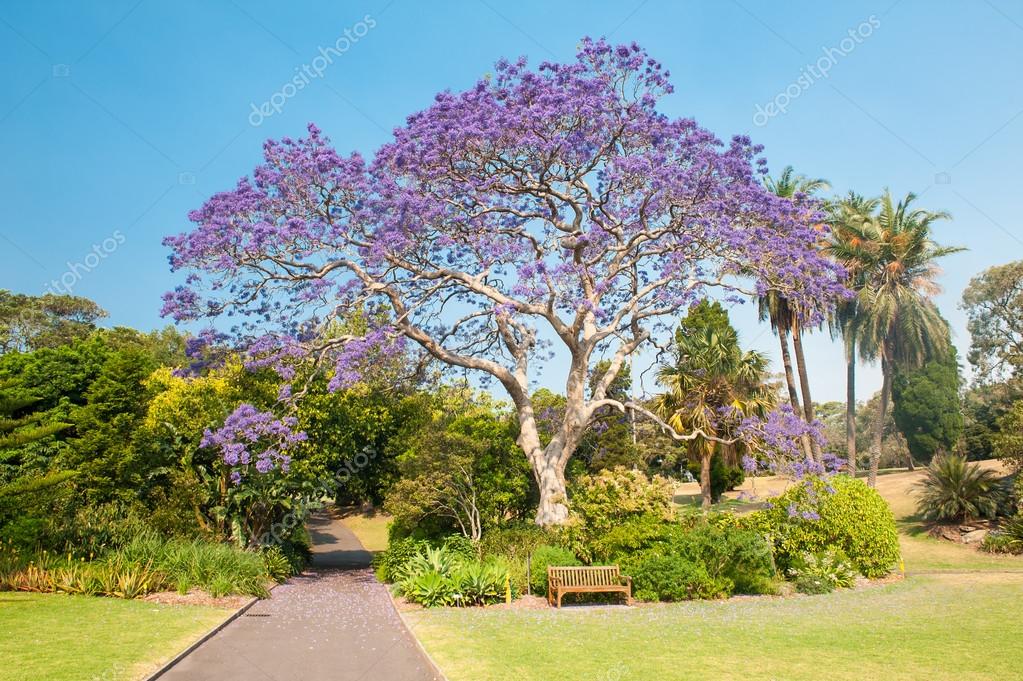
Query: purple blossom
column 247, row 433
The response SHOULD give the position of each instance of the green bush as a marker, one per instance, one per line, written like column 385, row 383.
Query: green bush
column 600, row 502
column 842, row 513
column 743, row 559
column 439, row 576
column 722, row 476
column 957, row 491
column 674, row 578
column 635, row 534
column 390, row 563
column 822, row 573
column 512, row 544
column 1008, row 538
column 544, row 556
column 277, row 565
column 461, row 546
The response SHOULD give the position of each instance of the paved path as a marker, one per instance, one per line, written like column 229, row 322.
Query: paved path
column 335, row 621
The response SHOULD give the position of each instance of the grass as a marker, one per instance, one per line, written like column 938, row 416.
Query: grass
column 937, row 627
column 370, row 528
column 956, row 616
column 58, row 637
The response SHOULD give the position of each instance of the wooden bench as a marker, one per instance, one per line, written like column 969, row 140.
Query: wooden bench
column 587, row 579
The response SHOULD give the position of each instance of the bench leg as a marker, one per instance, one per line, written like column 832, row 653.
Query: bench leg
column 560, row 594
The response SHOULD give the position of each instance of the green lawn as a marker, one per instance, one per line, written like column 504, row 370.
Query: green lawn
column 956, row 617
column 64, row 638
column 370, row 528
column 955, row 627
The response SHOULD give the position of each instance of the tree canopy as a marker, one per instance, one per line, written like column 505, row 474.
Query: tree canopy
column 544, row 208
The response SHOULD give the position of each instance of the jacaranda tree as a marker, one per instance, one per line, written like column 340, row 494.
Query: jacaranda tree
column 548, row 210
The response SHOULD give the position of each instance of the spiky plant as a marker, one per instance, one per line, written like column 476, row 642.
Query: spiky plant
column 955, row 490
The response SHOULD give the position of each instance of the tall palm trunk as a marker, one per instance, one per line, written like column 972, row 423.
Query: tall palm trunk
column 850, row 408
column 786, row 361
column 790, row 382
column 882, row 410
column 804, row 384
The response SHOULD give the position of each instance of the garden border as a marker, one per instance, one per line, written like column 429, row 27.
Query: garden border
column 205, row 637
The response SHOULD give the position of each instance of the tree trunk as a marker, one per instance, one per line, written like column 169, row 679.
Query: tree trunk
column 705, row 492
column 552, row 509
column 804, row 384
column 850, row 409
column 790, row 383
column 882, row 410
column 911, row 465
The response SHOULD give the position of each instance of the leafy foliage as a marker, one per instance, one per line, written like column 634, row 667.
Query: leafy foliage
column 841, row 512
column 955, row 490
column 461, row 471
column 993, row 301
column 542, row 558
column 702, row 561
column 926, row 406
column 821, row 573
column 604, row 500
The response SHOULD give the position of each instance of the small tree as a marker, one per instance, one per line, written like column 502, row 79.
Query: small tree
column 712, row 386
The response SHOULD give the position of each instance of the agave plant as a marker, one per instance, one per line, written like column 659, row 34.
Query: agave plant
column 479, row 583
column 430, row 589
column 439, row 560
column 955, row 490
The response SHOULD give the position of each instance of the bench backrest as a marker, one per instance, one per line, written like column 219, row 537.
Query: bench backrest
column 593, row 575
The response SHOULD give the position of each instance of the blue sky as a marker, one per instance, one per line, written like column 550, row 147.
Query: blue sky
column 117, row 118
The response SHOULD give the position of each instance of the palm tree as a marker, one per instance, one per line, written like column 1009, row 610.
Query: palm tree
column 784, row 318
column 895, row 319
column 709, row 373
column 853, row 210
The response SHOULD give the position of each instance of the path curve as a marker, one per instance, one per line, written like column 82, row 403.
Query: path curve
column 335, row 621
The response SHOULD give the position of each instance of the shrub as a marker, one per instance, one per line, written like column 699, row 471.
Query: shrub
column 635, row 534
column 479, row 583
column 822, row 573
column 674, row 578
column 605, row 500
column 461, row 546
column 217, row 568
column 432, row 559
column 513, row 544
column 544, row 556
column 1008, row 538
column 276, row 564
column 841, row 512
column 722, row 476
column 955, row 490
column 743, row 559
column 389, row 564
